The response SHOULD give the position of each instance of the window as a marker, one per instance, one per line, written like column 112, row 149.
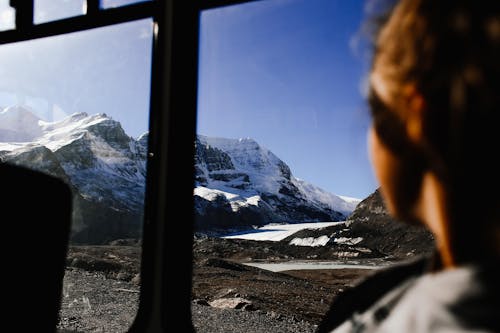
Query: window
column 280, row 148
column 117, row 3
column 7, row 16
column 76, row 107
column 162, row 300
column 281, row 165
column 75, row 103
column 50, row 10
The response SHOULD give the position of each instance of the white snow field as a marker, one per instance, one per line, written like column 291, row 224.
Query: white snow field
column 277, row 232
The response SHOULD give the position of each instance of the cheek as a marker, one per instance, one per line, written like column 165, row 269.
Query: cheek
column 386, row 167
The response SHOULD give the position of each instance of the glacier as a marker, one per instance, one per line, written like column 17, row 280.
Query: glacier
column 241, row 183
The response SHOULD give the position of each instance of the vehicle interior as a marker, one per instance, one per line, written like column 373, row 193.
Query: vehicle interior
column 163, row 297
column 139, row 61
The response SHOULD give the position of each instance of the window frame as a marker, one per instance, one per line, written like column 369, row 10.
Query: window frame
column 166, row 259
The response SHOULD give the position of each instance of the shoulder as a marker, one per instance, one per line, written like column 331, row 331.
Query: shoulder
column 370, row 290
column 464, row 299
column 459, row 300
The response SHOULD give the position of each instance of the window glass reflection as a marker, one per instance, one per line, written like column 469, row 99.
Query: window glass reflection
column 76, row 106
column 51, row 10
column 7, row 16
column 118, row 3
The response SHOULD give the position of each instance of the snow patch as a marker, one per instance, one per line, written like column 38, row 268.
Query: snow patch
column 247, row 156
column 335, row 202
column 266, row 173
column 235, row 200
column 310, row 241
column 348, row 241
column 350, row 199
column 278, row 232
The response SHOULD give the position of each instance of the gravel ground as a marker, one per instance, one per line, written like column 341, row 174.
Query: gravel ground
column 101, row 289
column 212, row 320
column 93, row 303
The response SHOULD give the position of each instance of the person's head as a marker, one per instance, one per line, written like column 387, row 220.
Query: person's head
column 435, row 101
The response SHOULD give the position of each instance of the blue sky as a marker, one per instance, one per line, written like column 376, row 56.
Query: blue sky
column 106, row 70
column 288, row 74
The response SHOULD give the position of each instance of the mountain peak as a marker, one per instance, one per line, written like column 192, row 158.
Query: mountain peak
column 78, row 116
column 247, row 139
column 18, row 113
column 238, row 181
column 227, row 142
column 18, row 123
column 104, row 166
column 143, row 137
column 18, row 110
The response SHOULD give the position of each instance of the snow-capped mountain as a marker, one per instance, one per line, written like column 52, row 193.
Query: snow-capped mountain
column 104, row 166
column 18, row 124
column 239, row 182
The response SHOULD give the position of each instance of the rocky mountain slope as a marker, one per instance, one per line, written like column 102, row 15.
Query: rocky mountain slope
column 237, row 182
column 371, row 232
column 240, row 183
column 371, row 221
column 105, row 167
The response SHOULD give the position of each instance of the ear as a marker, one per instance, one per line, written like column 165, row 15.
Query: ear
column 415, row 107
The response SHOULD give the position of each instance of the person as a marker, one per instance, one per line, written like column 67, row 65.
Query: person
column 435, row 103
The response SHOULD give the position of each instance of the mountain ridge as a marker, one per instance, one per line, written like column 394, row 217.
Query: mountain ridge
column 240, row 183
column 104, row 167
column 237, row 181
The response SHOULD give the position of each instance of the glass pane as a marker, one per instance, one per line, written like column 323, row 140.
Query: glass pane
column 281, row 165
column 7, row 16
column 118, row 3
column 52, row 10
column 77, row 106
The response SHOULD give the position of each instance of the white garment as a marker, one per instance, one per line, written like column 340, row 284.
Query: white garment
column 451, row 301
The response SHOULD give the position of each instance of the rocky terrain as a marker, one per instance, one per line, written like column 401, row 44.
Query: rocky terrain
column 371, row 232
column 102, row 283
column 101, row 288
column 382, row 233
column 241, row 183
column 218, row 273
column 104, row 167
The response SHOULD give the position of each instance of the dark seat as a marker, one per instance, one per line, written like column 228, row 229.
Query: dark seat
column 35, row 219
